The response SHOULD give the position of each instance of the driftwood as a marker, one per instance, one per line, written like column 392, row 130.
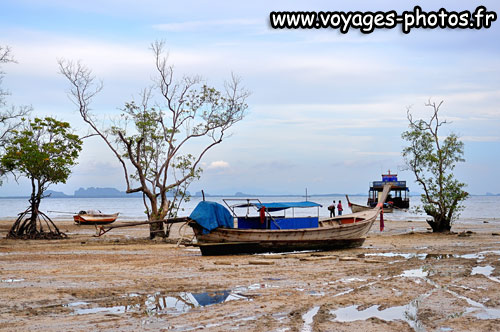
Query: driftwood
column 101, row 230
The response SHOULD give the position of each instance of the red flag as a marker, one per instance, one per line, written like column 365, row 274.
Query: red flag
column 262, row 214
column 381, row 220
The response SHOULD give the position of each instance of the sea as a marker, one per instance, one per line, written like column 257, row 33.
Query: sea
column 478, row 209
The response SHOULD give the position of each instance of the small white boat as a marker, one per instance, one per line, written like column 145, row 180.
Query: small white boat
column 92, row 217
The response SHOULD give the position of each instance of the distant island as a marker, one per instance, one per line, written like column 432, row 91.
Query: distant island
column 96, row 192
column 92, row 192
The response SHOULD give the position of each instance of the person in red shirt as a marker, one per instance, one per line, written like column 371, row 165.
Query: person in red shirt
column 339, row 208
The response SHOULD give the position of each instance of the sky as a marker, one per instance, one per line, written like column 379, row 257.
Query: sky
column 326, row 110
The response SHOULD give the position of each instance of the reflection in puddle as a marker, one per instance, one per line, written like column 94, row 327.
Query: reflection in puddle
column 479, row 256
column 439, row 256
column 407, row 313
column 159, row 303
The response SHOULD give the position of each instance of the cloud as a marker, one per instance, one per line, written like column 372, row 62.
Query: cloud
column 219, row 164
column 480, row 138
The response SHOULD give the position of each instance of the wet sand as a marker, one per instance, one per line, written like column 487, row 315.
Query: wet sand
column 404, row 279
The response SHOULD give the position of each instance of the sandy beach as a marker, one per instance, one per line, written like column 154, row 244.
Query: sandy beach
column 403, row 279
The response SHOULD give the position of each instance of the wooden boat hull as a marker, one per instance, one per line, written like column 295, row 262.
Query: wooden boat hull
column 341, row 232
column 359, row 208
column 345, row 231
column 94, row 219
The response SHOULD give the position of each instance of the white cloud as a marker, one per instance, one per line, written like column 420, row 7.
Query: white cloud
column 480, row 138
column 219, row 164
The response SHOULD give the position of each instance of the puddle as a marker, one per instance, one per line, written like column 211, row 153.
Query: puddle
column 478, row 310
column 416, row 273
column 485, row 271
column 12, row 280
column 173, row 304
column 347, row 280
column 480, row 255
column 395, row 254
column 308, row 318
column 316, row 293
column 344, row 292
column 407, row 313
column 158, row 303
column 280, row 316
column 440, row 256
column 484, row 312
column 240, row 289
column 85, row 311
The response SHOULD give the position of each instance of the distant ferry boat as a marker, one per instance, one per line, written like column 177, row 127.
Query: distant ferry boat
column 398, row 196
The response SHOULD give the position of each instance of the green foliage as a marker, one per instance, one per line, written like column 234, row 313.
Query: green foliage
column 44, row 150
column 432, row 160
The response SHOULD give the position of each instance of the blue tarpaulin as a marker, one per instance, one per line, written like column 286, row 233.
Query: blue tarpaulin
column 210, row 215
column 286, row 205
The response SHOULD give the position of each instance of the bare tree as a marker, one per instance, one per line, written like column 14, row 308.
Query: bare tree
column 151, row 141
column 9, row 115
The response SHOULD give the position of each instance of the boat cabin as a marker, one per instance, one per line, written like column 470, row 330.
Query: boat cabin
column 399, row 194
column 253, row 214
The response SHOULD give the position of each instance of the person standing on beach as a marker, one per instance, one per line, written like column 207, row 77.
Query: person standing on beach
column 331, row 208
column 339, row 208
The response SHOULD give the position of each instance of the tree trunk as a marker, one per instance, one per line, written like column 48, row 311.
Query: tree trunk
column 35, row 204
column 30, row 223
column 156, row 229
column 439, row 224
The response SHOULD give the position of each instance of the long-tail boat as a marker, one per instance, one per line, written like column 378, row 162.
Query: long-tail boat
column 213, row 226
column 358, row 208
column 94, row 218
